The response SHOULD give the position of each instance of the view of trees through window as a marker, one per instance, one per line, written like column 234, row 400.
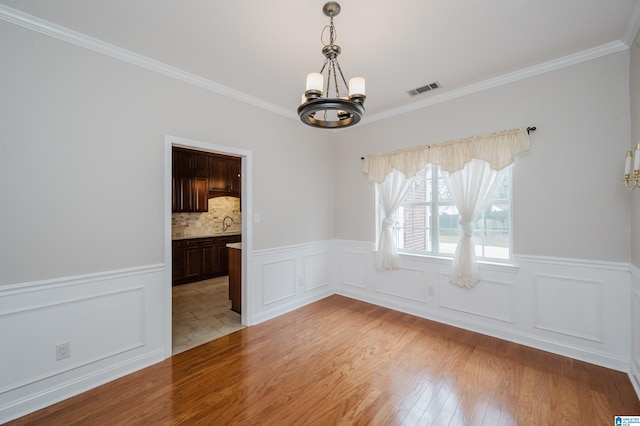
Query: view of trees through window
column 427, row 221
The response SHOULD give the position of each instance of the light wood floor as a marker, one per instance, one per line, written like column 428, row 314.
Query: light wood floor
column 341, row 362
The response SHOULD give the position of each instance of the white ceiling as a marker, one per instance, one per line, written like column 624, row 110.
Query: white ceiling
column 265, row 48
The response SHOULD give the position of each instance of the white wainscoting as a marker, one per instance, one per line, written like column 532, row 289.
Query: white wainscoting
column 634, row 372
column 569, row 307
column 287, row 278
column 113, row 322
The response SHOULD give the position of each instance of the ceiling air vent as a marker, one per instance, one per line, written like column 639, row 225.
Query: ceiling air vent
column 428, row 87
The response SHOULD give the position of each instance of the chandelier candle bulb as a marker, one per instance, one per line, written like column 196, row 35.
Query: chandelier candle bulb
column 356, row 87
column 627, row 164
column 315, row 81
column 636, row 160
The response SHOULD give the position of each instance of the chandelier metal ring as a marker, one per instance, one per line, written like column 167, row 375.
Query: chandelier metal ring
column 348, row 112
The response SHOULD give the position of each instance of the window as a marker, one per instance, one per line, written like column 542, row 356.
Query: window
column 427, row 220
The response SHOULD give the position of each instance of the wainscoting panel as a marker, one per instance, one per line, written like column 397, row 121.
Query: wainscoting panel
column 404, row 283
column 279, row 281
column 353, row 266
column 556, row 310
column 112, row 321
column 489, row 299
column 634, row 372
column 316, row 270
column 42, row 328
column 286, row 278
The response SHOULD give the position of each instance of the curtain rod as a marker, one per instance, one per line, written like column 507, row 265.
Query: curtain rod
column 529, row 130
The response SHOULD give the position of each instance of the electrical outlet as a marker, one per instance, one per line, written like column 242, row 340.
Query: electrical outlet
column 63, row 350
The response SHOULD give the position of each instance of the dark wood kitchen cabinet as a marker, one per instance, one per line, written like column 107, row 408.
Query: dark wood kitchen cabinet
column 189, row 195
column 190, row 184
column 235, row 278
column 198, row 176
column 197, row 259
column 187, row 163
column 224, row 176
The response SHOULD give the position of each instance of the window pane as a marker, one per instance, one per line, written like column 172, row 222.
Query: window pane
column 414, row 232
column 443, row 189
column 447, row 229
column 420, row 190
column 503, row 192
column 492, row 231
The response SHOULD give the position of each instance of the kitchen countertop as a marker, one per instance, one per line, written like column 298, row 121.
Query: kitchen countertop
column 237, row 246
column 225, row 234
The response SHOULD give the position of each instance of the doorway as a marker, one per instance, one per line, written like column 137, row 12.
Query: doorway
column 199, row 311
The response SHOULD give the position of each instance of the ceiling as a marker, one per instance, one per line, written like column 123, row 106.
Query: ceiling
column 260, row 51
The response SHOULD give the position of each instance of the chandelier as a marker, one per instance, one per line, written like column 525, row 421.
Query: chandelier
column 322, row 103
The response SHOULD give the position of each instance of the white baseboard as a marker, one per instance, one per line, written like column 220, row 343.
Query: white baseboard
column 68, row 389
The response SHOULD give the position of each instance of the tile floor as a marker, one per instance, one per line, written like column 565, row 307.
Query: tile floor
column 201, row 313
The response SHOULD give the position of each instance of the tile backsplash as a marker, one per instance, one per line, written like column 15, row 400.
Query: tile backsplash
column 209, row 223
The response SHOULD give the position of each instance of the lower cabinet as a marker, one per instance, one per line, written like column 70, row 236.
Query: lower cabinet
column 199, row 259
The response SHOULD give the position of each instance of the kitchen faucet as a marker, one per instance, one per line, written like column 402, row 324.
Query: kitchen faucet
column 226, row 225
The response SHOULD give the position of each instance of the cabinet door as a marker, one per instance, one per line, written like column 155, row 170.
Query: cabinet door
column 200, row 191
column 181, row 163
column 200, row 165
column 175, row 195
column 193, row 261
column 218, row 174
column 189, row 195
column 209, row 253
column 233, row 177
column 182, row 197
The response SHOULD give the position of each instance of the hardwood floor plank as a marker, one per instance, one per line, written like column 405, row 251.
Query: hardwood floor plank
column 343, row 362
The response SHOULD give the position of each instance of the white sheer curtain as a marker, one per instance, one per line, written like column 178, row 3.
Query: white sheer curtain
column 472, row 189
column 391, row 191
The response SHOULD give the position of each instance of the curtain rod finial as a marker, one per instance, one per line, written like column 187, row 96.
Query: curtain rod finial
column 531, row 129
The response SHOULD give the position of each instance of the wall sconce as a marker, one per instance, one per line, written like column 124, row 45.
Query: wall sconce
column 636, row 169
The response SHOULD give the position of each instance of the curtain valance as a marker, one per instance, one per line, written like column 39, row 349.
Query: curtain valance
column 499, row 149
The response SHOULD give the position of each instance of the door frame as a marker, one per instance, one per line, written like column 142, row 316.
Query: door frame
column 247, row 225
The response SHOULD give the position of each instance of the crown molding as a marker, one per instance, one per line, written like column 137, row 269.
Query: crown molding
column 633, row 25
column 82, row 40
column 585, row 55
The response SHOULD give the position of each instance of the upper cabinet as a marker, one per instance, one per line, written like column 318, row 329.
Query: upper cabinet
column 198, row 176
column 188, row 164
column 224, row 176
column 189, row 192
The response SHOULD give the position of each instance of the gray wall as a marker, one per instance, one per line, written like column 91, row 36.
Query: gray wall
column 568, row 196
column 82, row 160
